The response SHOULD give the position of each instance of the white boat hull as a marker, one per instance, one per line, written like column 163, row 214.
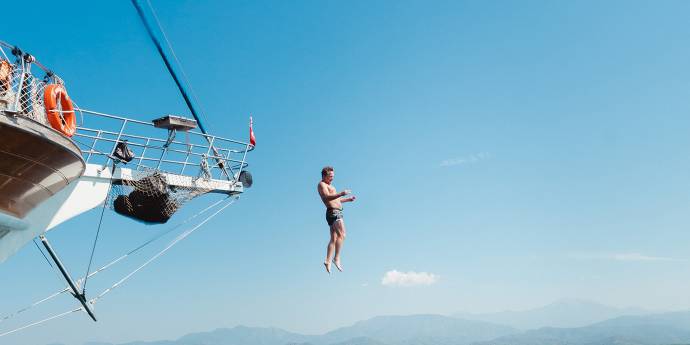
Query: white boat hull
column 82, row 195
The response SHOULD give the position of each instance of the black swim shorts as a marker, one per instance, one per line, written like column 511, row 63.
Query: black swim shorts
column 333, row 214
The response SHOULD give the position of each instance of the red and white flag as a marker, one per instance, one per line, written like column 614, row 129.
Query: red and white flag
column 252, row 138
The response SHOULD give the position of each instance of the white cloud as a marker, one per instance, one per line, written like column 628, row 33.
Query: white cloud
column 396, row 278
column 624, row 257
column 465, row 160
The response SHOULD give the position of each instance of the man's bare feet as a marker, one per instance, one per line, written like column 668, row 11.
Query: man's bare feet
column 328, row 266
column 337, row 265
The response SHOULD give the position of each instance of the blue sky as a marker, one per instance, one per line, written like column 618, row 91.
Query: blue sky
column 521, row 152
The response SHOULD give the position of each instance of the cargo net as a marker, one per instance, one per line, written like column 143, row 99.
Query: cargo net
column 152, row 197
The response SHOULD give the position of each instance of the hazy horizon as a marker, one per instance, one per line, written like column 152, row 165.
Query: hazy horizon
column 251, row 333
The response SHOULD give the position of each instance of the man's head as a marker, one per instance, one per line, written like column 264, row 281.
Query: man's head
column 327, row 174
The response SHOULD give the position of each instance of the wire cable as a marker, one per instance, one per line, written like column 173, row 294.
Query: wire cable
column 170, row 245
column 42, row 321
column 113, row 262
column 121, row 281
column 98, row 231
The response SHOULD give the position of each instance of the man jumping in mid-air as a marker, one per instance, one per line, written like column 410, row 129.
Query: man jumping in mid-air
column 334, row 216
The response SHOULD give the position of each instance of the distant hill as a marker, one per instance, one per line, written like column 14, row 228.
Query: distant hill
column 655, row 329
column 244, row 335
column 567, row 313
column 162, row 342
column 361, row 341
column 383, row 330
column 239, row 335
column 658, row 329
column 435, row 329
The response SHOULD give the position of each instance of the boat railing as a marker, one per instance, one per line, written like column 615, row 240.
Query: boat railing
column 21, row 90
column 98, row 136
column 178, row 152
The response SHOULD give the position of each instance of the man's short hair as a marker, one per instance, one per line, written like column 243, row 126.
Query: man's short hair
column 326, row 170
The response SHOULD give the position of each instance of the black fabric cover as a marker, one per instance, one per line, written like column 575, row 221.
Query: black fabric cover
column 150, row 202
column 123, row 153
column 246, row 178
column 153, row 185
column 147, row 209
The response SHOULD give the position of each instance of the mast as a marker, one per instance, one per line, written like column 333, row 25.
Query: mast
column 181, row 84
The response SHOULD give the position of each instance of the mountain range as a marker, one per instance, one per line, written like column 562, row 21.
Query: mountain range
column 650, row 329
column 566, row 313
column 656, row 329
column 382, row 330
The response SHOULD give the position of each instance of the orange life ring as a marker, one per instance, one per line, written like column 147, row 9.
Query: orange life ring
column 64, row 121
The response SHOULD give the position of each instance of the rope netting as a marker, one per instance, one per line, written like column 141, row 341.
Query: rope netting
column 21, row 91
column 153, row 196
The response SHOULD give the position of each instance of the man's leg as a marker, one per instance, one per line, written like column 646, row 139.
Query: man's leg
column 330, row 248
column 340, row 238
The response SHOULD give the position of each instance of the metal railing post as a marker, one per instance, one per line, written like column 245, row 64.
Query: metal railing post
column 93, row 147
column 160, row 160
column 117, row 140
column 148, row 140
column 186, row 159
column 227, row 159
column 246, row 149
column 210, row 144
column 17, row 94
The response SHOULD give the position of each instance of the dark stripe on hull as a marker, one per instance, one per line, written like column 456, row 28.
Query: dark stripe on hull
column 35, row 163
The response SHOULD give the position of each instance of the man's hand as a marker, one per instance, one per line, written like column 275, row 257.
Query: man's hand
column 350, row 199
column 346, row 192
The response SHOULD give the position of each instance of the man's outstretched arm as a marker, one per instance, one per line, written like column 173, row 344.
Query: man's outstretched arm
column 326, row 196
column 350, row 199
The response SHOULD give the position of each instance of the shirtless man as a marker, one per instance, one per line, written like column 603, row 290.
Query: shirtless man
column 334, row 216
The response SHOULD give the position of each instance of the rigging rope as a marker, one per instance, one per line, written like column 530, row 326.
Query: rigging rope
column 171, row 69
column 42, row 321
column 9, row 316
column 108, row 265
column 42, row 253
column 58, row 276
column 178, row 64
column 155, row 238
column 173, row 243
column 98, row 231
